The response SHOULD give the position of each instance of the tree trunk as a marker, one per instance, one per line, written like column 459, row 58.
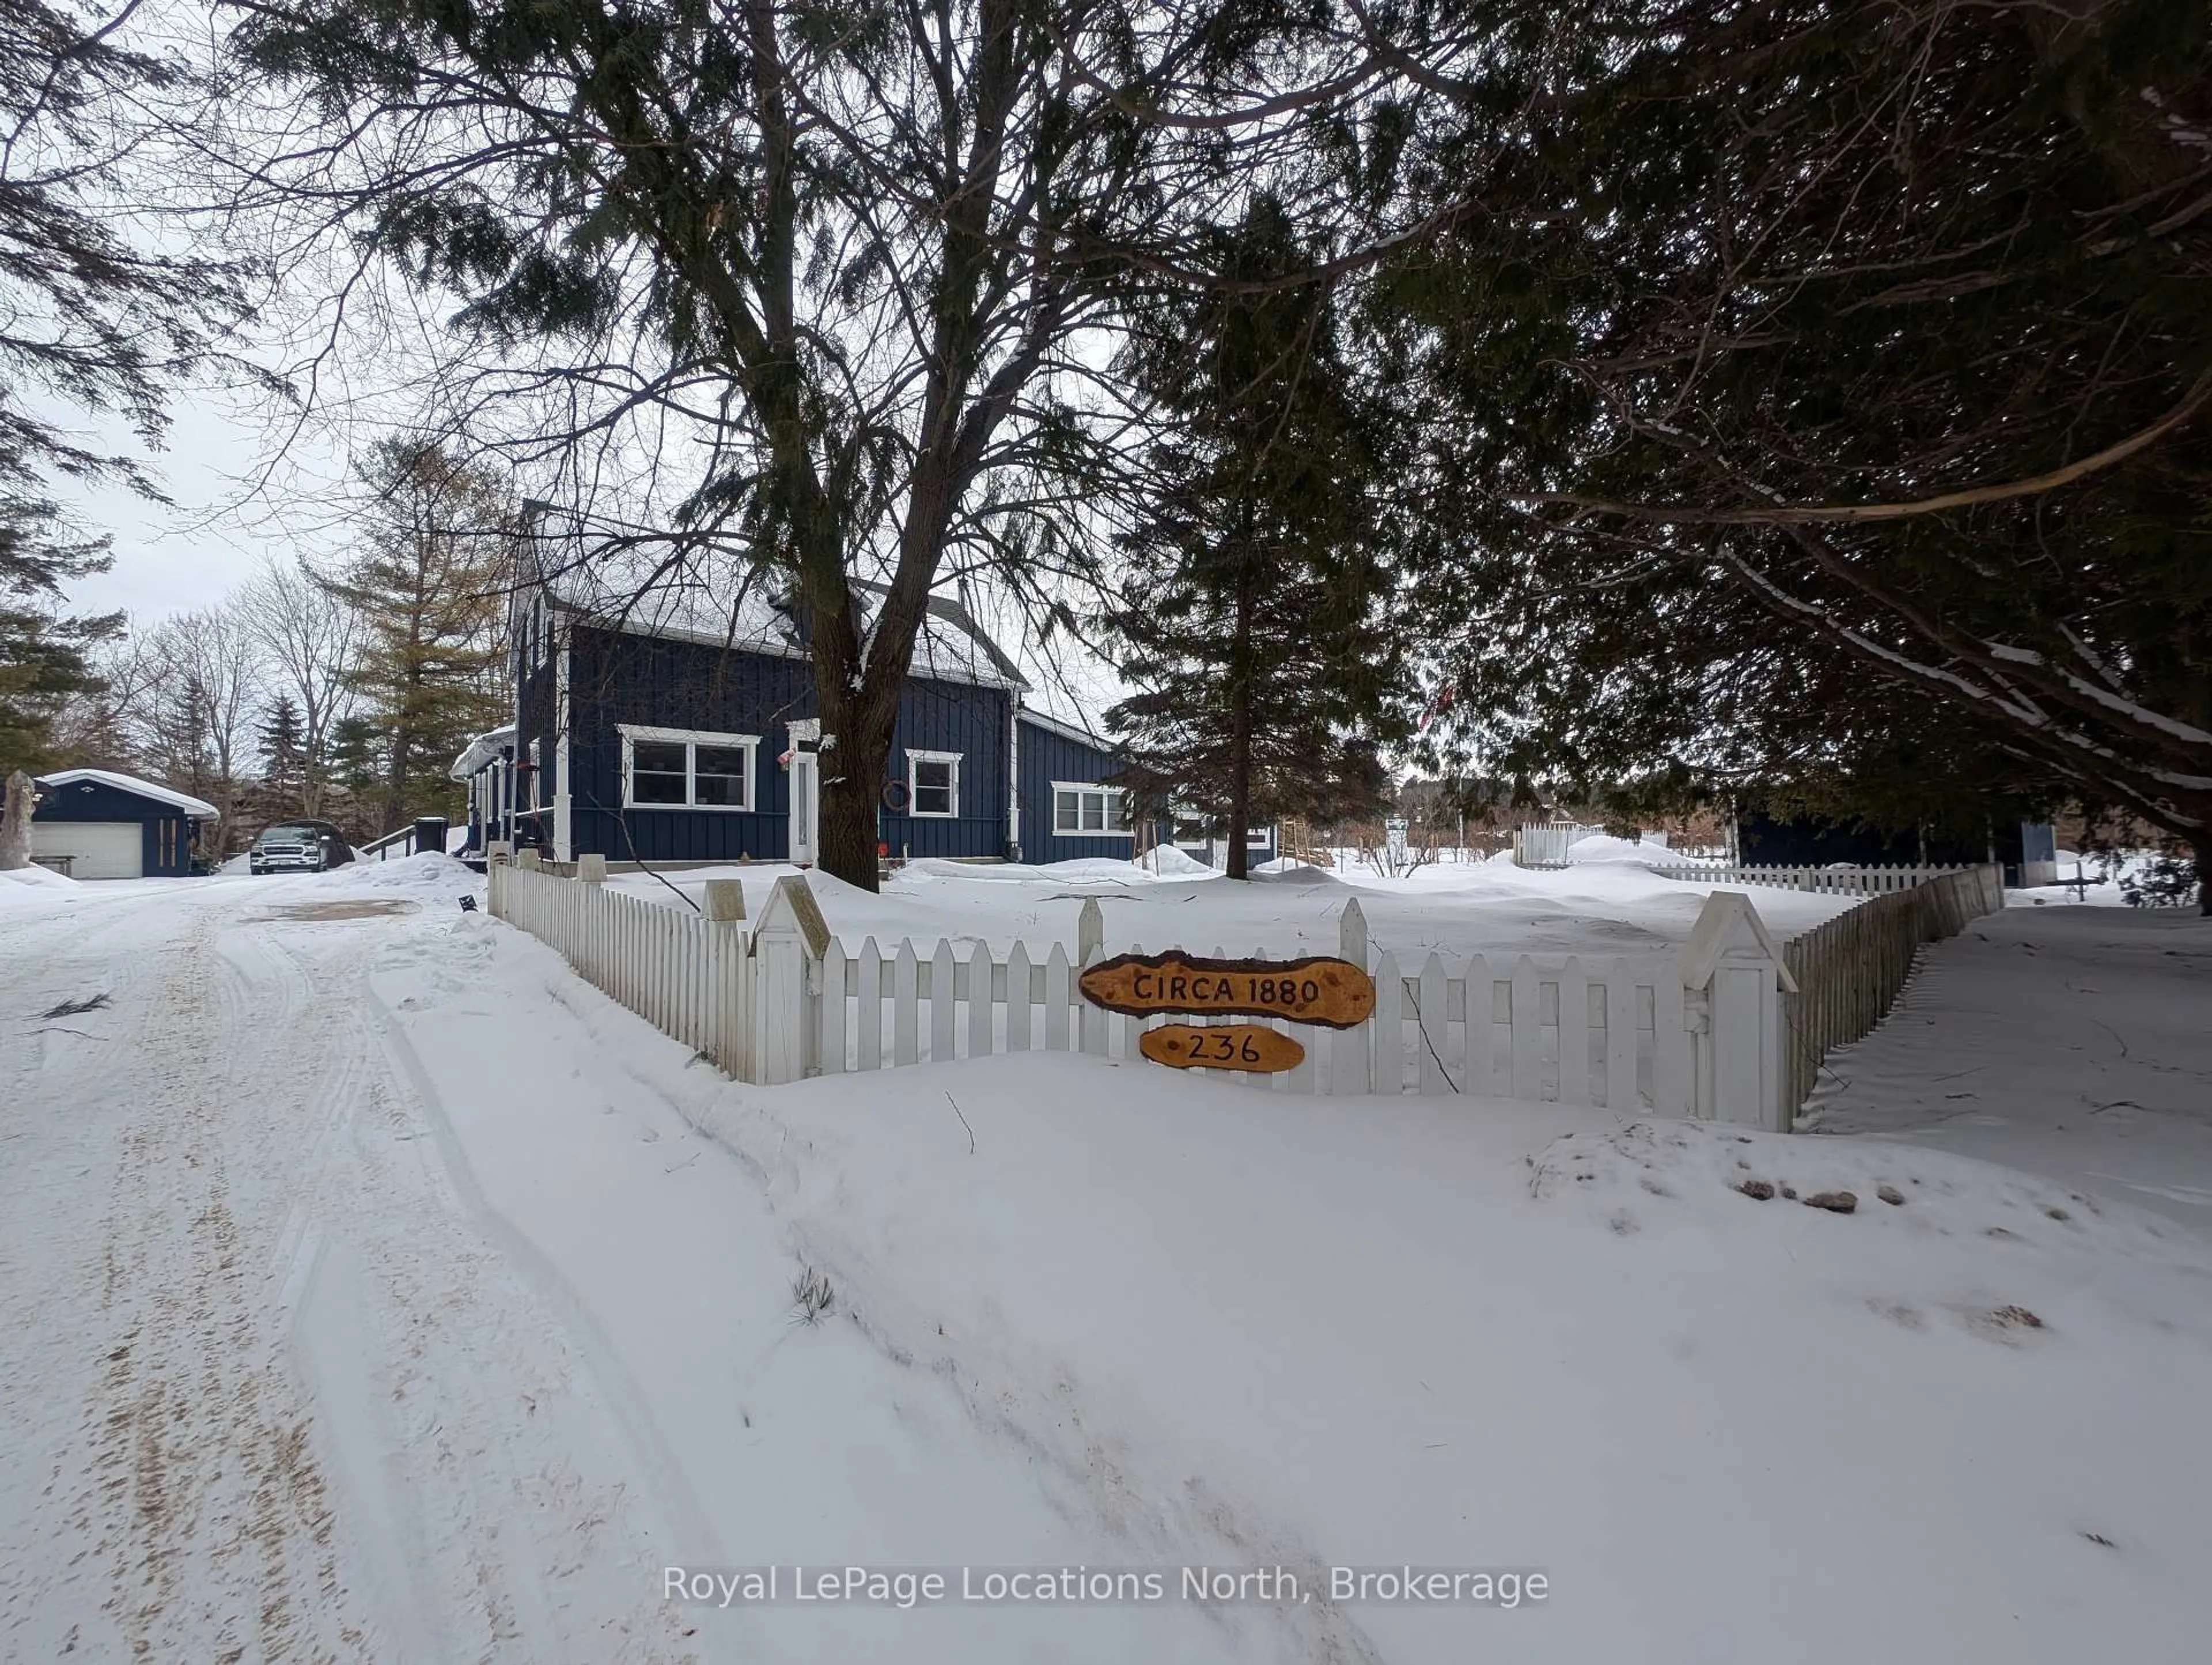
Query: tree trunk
column 16, row 822
column 1240, row 737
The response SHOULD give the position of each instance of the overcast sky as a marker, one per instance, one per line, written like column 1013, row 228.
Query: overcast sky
column 222, row 524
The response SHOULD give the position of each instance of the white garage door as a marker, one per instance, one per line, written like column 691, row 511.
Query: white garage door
column 103, row 849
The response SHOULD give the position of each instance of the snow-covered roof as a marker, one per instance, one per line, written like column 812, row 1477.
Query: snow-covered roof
column 484, row 749
column 1068, row 731
column 198, row 809
column 709, row 594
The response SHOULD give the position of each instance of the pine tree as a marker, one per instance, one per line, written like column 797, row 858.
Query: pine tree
column 431, row 589
column 42, row 651
column 1260, row 569
column 283, row 741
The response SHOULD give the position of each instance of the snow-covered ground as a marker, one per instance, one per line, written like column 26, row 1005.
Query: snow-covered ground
column 1600, row 906
column 2074, row 1043
column 375, row 1289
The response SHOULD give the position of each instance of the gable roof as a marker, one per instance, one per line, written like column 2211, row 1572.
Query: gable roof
column 1068, row 731
column 198, row 808
column 708, row 595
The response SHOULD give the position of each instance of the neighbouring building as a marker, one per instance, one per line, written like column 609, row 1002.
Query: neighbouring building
column 95, row 823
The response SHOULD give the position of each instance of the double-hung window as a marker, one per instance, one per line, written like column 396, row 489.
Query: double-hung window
column 1082, row 809
column 687, row 768
column 932, row 783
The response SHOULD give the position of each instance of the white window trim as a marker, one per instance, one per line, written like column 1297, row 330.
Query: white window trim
column 1103, row 790
column 690, row 739
column 914, row 789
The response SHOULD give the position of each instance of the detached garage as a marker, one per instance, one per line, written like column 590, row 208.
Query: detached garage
column 92, row 824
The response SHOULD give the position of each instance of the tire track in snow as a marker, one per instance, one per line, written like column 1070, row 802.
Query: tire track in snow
column 280, row 1398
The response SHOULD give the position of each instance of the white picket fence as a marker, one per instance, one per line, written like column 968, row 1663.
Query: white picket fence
column 1833, row 881
column 684, row 973
column 1692, row 1033
column 1604, row 1031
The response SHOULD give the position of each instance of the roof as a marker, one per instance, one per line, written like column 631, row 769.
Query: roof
column 198, row 809
column 1068, row 731
column 707, row 594
column 483, row 751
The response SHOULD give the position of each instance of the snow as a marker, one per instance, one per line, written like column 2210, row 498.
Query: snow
column 1455, row 908
column 33, row 883
column 2074, row 1043
column 2104, row 874
column 198, row 809
column 1605, row 847
column 377, row 1290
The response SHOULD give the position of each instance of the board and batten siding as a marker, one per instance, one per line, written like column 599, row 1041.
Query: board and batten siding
column 164, row 831
column 656, row 681
column 1047, row 755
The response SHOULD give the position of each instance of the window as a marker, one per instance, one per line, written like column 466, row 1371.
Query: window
column 1082, row 810
column 932, row 782
column 681, row 769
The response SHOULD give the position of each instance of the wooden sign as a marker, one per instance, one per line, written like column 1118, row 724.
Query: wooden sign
column 1334, row 993
column 1249, row 1047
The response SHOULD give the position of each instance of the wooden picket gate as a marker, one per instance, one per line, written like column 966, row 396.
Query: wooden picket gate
column 1605, row 1031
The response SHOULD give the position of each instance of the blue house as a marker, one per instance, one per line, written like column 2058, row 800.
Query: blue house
column 95, row 824
column 656, row 720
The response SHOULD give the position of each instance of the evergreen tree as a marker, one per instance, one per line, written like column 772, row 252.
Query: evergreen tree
column 430, row 591
column 1260, row 569
column 283, row 742
column 1828, row 395
column 42, row 652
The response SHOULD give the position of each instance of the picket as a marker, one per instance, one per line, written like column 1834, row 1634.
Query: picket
column 1431, row 1021
column 1019, row 1003
column 1389, row 1027
column 870, row 1013
column 1574, row 1034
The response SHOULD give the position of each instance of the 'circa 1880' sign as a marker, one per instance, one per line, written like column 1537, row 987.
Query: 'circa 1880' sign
column 1333, row 992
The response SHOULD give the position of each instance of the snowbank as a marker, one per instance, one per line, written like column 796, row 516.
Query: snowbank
column 21, row 884
column 1454, row 908
column 426, row 871
column 1170, row 862
column 1604, row 846
column 1248, row 1327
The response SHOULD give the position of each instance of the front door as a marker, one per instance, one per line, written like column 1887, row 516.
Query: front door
column 805, row 807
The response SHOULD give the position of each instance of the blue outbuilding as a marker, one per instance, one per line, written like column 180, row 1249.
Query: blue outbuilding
column 95, row 824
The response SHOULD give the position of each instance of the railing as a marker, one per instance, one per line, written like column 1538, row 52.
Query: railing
column 1850, row 970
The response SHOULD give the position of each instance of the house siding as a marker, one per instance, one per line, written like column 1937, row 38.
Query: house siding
column 1047, row 756
column 95, row 801
column 665, row 683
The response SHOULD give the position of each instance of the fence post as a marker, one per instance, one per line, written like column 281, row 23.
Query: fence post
column 1736, row 1072
column 1349, row 1049
column 592, row 867
column 531, row 860
column 787, row 946
column 1089, row 946
column 729, row 1018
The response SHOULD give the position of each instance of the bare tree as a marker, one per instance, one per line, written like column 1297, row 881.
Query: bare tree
column 198, row 686
column 818, row 286
column 308, row 639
